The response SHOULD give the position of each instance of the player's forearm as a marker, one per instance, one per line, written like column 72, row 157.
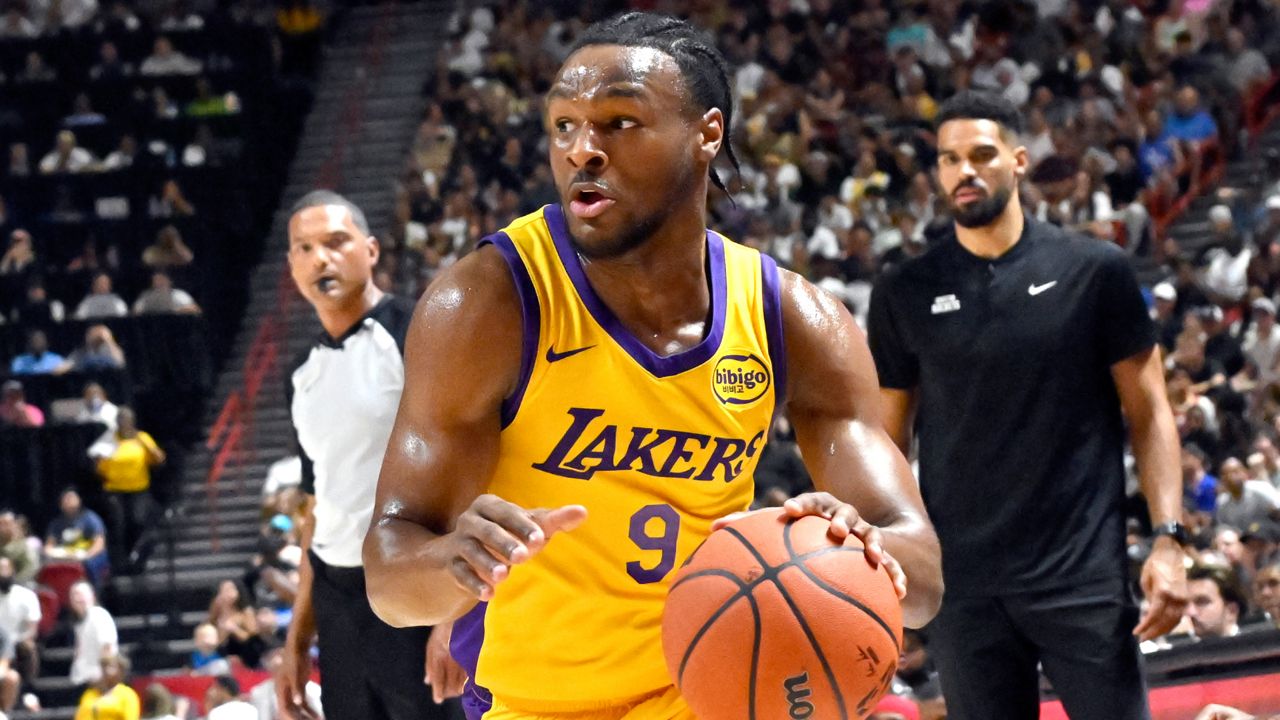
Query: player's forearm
column 302, row 628
column 912, row 541
column 408, row 578
column 1155, row 447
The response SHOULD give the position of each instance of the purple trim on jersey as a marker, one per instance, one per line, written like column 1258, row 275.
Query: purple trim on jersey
column 772, row 287
column 656, row 364
column 464, row 646
column 531, row 315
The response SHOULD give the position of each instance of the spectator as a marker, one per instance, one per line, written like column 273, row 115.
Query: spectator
column 66, row 156
column 98, row 409
column 170, row 202
column 232, row 614
column 263, row 695
column 14, row 546
column 101, row 302
column 283, row 475
column 14, row 408
column 108, row 697
column 160, row 704
column 1246, row 66
column 163, row 298
column 95, row 634
column 20, row 256
column 10, row 680
column 126, row 479
column 168, row 251
column 83, row 114
column 36, row 70
column 1261, row 543
column 19, row 161
column 1199, row 489
column 39, row 310
column 78, row 534
column 1242, row 501
column 123, row 157
column 1224, row 273
column 38, row 359
column 110, row 66
column 205, row 658
column 209, row 104
column 1216, row 601
column 1266, row 593
column 222, row 701
column 1168, row 321
column 19, row 620
column 15, row 25
column 916, row 677
column 1190, row 122
column 1262, row 342
column 266, row 638
column 165, row 60
column 99, row 352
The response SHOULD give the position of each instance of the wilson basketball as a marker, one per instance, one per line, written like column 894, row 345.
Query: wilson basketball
column 771, row 619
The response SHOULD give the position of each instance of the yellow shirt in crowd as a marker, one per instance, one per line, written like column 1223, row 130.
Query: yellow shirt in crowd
column 119, row 703
column 128, row 469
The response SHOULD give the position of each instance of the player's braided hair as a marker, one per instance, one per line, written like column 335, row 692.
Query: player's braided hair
column 706, row 74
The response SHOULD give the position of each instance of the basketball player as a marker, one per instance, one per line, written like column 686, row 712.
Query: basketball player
column 607, row 369
column 1012, row 349
column 342, row 398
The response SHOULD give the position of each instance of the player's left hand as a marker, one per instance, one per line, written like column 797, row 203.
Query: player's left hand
column 445, row 676
column 845, row 521
column 1164, row 584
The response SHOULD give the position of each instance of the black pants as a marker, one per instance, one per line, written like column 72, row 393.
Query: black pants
column 986, row 651
column 368, row 669
column 128, row 515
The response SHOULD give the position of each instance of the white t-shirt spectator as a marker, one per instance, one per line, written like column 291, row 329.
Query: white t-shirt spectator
column 1263, row 353
column 234, row 710
column 95, row 637
column 1227, row 274
column 19, row 611
column 263, row 697
column 106, row 305
column 283, row 473
column 78, row 160
column 160, row 302
column 1257, row 501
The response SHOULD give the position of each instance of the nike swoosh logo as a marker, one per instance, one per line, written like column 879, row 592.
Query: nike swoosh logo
column 553, row 356
column 1037, row 289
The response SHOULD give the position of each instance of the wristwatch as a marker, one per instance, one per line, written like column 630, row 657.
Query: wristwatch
column 1173, row 529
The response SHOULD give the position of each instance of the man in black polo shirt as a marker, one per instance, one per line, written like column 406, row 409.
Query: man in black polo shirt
column 343, row 392
column 1011, row 350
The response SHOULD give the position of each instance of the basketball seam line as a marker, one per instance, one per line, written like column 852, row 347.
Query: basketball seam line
column 714, row 616
column 755, row 657
column 800, row 618
column 823, row 585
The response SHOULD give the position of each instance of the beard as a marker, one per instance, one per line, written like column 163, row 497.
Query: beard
column 980, row 213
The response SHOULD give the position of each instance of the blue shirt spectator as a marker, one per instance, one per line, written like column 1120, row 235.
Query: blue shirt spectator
column 1189, row 121
column 37, row 360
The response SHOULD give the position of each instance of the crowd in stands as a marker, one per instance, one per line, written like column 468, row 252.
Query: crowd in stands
column 124, row 130
column 1131, row 110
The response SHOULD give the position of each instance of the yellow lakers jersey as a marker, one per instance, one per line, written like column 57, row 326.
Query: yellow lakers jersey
column 654, row 447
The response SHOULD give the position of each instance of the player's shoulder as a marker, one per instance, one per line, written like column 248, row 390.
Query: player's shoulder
column 477, row 291
column 1069, row 245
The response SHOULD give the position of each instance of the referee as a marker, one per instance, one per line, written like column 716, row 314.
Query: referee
column 1012, row 350
column 343, row 393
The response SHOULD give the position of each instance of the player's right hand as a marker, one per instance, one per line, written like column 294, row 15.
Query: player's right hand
column 493, row 535
column 291, row 684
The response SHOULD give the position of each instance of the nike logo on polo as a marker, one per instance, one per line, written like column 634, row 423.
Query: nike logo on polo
column 553, row 356
column 1037, row 289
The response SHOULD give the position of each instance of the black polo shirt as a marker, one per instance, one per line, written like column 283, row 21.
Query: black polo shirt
column 1020, row 432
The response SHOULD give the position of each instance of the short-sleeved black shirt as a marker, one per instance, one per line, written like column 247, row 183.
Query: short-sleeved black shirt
column 1019, row 423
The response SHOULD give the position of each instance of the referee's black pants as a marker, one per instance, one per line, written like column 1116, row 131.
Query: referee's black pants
column 368, row 669
column 986, row 650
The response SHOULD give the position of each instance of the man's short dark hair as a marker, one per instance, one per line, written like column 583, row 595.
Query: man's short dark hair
column 1226, row 580
column 703, row 67
column 978, row 105
column 320, row 198
column 228, row 683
